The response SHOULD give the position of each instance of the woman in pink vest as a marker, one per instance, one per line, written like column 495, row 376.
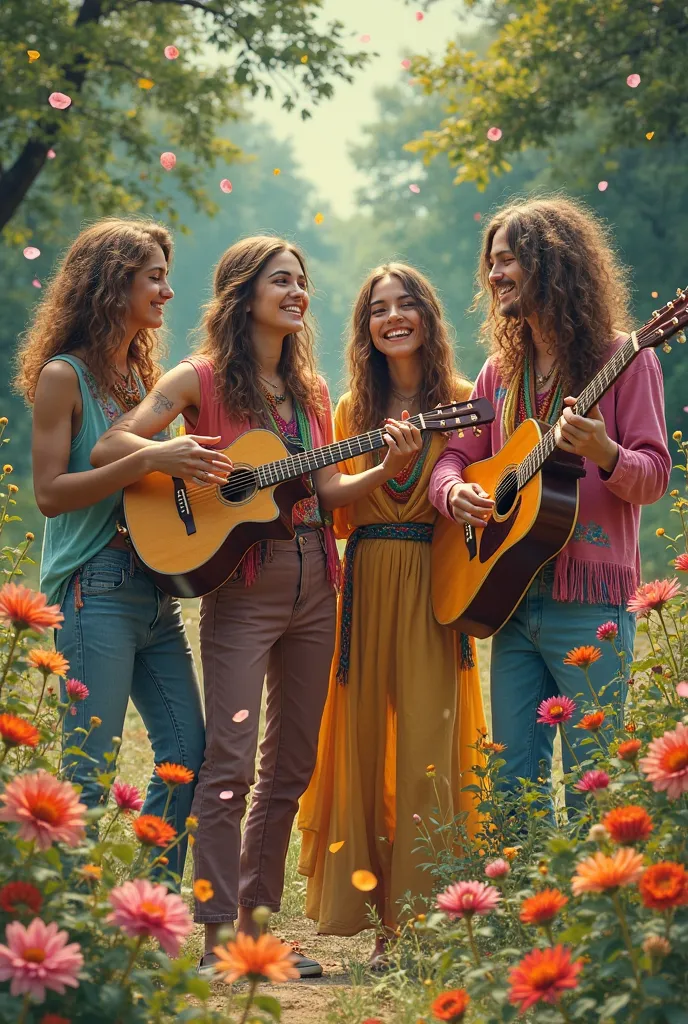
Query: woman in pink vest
column 276, row 616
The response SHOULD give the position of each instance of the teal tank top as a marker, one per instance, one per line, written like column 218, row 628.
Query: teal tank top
column 72, row 538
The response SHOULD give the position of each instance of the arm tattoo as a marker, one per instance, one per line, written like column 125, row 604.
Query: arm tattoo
column 161, row 403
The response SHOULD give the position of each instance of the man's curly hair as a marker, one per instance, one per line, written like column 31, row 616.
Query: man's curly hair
column 573, row 281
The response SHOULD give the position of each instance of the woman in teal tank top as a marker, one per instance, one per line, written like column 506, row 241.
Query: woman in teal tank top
column 90, row 355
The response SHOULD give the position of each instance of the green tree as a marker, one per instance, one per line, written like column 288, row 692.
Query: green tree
column 551, row 64
column 108, row 56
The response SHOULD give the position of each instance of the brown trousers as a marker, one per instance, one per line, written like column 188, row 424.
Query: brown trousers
column 283, row 627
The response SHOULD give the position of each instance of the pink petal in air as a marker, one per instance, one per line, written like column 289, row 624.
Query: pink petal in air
column 240, row 716
column 168, row 160
column 36, row 283
column 171, row 52
column 226, row 185
column 414, row 188
column 226, row 794
column 494, row 134
column 603, row 185
column 31, row 252
column 406, row 63
column 633, row 81
column 51, row 154
column 59, row 100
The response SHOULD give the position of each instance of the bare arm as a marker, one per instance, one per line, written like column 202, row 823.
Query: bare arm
column 185, row 456
column 56, row 489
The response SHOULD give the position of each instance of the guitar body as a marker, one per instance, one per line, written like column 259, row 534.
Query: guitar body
column 479, row 575
column 190, row 564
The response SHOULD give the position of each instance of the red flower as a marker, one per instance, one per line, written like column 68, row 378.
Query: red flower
column 664, row 885
column 126, row 796
column 607, row 631
column 555, row 710
column 17, row 732
column 583, row 657
column 451, row 1006
column 542, row 976
column 153, row 831
column 628, row 750
column 26, row 609
column 592, row 781
column 14, row 895
column 628, row 824
column 592, row 722
column 542, row 907
column 174, row 774
column 76, row 690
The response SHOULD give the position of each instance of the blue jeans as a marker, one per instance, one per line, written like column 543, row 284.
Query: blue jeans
column 528, row 666
column 124, row 638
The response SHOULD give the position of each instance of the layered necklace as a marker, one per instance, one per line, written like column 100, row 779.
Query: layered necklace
column 125, row 390
column 278, row 398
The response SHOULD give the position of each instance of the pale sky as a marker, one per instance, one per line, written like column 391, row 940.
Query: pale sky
column 321, row 144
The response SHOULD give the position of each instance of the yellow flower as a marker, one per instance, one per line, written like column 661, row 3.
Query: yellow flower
column 430, row 771
column 12, row 488
column 660, row 531
column 304, row 59
column 674, row 493
column 191, row 823
column 7, row 468
column 203, row 890
column 92, row 871
column 677, row 435
column 145, row 83
column 319, row 218
column 277, row 171
column 511, row 852
column 95, row 721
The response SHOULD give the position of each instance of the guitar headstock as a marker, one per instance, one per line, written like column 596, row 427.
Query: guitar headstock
column 459, row 415
column 665, row 323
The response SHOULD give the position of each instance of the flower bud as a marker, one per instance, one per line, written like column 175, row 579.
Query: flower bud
column 261, row 915
column 29, row 535
column 7, row 469
column 656, row 945
column 660, row 531
column 95, row 722
column 191, row 823
column 598, row 834
column 12, row 488
column 677, row 435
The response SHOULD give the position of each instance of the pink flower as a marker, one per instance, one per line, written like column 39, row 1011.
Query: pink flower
column 142, row 908
column 417, row 818
column 499, row 868
column 666, row 762
column 126, row 796
column 607, row 631
column 76, row 691
column 38, row 958
column 592, row 781
column 45, row 809
column 681, row 563
column 555, row 710
column 651, row 597
column 463, row 899
column 682, row 688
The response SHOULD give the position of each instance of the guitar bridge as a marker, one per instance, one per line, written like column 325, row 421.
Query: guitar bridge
column 471, row 540
column 183, row 505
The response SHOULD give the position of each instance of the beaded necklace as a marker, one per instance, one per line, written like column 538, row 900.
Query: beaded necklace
column 531, row 405
column 401, row 487
column 125, row 390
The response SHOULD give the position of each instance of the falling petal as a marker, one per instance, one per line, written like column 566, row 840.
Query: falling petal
column 365, row 881
column 304, row 59
column 602, row 185
column 31, row 252
column 226, row 186
column 226, row 794
column 145, row 83
column 36, row 283
column 419, row 15
column 655, row 295
column 649, row 135
column 364, row 39
column 59, row 100
column 240, row 716
column 319, row 218
column 477, row 216
column 335, row 847
column 171, row 52
column 633, row 81
column 33, row 55
column 494, row 134
column 51, row 154
column 682, row 689
column 276, row 171
column 414, row 188
column 168, row 160
column 406, row 63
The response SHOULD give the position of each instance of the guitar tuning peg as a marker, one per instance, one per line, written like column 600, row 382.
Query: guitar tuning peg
column 681, row 338
column 666, row 347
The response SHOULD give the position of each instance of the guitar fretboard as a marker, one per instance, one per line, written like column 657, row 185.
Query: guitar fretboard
column 588, row 397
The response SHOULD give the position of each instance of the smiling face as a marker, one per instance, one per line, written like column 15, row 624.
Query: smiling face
column 506, row 275
column 148, row 293
column 280, row 296
column 395, row 322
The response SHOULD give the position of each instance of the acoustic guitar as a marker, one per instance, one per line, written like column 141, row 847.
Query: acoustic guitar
column 479, row 575
column 192, row 539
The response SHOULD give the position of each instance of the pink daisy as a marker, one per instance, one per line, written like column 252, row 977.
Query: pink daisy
column 45, row 809
column 555, row 710
column 76, row 691
column 666, row 762
column 592, row 781
column 499, row 868
column 681, row 563
column 142, row 908
column 463, row 899
column 38, row 958
column 607, row 631
column 126, row 796
column 653, row 596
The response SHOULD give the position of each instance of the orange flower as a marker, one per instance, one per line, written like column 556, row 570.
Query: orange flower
column 630, row 727
column 542, row 976
column 52, row 663
column 17, row 732
column 542, row 907
column 91, row 871
column 174, row 774
column 600, row 873
column 153, row 831
column 664, row 885
column 592, row 722
column 628, row 824
column 26, row 609
column 265, row 957
column 203, row 890
column 452, row 1005
column 628, row 750
column 494, row 748
column 583, row 657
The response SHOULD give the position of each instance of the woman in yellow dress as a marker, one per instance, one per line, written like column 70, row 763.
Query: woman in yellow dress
column 404, row 691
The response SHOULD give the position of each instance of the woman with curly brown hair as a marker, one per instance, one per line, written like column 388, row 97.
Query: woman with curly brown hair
column 255, row 367
column 556, row 301
column 90, row 355
column 404, row 705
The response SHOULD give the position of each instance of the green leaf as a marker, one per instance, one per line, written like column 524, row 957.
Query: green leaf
column 616, row 1003
column 269, row 1004
column 123, row 852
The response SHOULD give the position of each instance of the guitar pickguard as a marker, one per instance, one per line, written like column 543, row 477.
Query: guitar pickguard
column 496, row 532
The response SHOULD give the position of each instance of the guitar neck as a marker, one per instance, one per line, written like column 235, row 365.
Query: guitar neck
column 589, row 396
column 271, row 473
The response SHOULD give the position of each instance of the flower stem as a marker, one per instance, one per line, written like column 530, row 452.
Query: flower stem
column 471, row 939
column 591, row 688
column 132, row 960
column 568, row 744
column 20, row 558
column 167, row 802
column 668, row 640
column 10, row 656
column 40, row 699
column 249, row 1000
column 563, row 1011
column 24, row 1009
column 626, row 935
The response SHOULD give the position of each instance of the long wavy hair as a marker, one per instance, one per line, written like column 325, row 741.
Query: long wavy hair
column 369, row 379
column 573, row 280
column 226, row 332
column 85, row 305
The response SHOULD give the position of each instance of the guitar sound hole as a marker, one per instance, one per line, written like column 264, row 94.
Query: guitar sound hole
column 240, row 487
column 507, row 491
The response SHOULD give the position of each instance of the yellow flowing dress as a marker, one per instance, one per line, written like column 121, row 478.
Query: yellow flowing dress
column 407, row 704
